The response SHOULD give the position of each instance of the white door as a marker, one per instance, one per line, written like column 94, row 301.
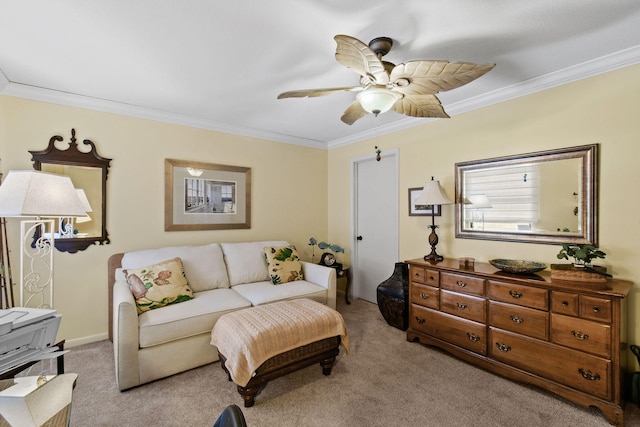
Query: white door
column 375, row 222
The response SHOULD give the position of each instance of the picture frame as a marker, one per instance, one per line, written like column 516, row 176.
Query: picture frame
column 206, row 196
column 420, row 210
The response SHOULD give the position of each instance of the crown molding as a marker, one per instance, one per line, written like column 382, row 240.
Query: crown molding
column 73, row 100
column 604, row 64
column 611, row 62
column 4, row 81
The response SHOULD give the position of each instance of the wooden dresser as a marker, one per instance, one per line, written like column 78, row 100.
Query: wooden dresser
column 560, row 336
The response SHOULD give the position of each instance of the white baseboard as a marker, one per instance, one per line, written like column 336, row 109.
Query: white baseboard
column 85, row 340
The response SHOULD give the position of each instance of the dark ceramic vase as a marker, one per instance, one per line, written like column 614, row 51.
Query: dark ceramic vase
column 393, row 300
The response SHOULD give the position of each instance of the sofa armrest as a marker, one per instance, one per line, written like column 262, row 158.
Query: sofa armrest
column 115, row 262
column 126, row 341
column 321, row 276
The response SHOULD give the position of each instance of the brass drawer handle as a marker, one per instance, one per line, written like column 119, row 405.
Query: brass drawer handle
column 596, row 309
column 420, row 319
column 515, row 294
column 565, row 303
column 503, row 347
column 580, row 335
column 516, row 319
column 461, row 305
column 461, row 283
column 473, row 337
column 588, row 375
column 423, row 295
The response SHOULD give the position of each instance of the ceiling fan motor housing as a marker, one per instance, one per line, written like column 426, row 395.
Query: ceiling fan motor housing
column 381, row 45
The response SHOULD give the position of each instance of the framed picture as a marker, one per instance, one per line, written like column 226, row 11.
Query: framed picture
column 206, row 196
column 420, row 209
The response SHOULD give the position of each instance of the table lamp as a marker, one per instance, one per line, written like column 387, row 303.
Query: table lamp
column 433, row 194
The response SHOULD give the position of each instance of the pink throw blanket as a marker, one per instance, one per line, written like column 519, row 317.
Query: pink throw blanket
column 249, row 337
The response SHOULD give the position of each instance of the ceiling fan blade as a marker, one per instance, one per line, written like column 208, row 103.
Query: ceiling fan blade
column 312, row 93
column 358, row 56
column 353, row 113
column 420, row 106
column 431, row 77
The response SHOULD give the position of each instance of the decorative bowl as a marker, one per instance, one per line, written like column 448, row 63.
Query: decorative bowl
column 517, row 266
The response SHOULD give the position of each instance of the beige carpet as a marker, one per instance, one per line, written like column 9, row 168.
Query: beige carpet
column 385, row 381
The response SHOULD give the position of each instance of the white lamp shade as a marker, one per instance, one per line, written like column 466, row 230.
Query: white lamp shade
column 83, row 199
column 377, row 100
column 432, row 194
column 479, row 201
column 39, row 194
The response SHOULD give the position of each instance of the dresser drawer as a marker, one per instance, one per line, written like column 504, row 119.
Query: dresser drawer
column 427, row 296
column 461, row 332
column 467, row 306
column 518, row 294
column 595, row 308
column 565, row 303
column 590, row 374
column 523, row 320
column 585, row 335
column 462, row 283
column 426, row 276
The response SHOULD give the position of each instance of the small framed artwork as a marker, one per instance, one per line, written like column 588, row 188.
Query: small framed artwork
column 419, row 210
column 206, row 196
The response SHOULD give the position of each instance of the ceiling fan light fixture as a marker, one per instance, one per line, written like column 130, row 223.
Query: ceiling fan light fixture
column 377, row 100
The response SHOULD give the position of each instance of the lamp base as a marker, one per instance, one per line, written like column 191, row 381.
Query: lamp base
column 433, row 256
column 433, row 241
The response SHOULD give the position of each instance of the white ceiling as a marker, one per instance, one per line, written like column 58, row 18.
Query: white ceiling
column 220, row 65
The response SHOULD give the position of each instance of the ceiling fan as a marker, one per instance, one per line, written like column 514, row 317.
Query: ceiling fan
column 408, row 88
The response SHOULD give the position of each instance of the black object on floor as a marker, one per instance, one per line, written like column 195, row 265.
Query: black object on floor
column 232, row 416
column 393, row 300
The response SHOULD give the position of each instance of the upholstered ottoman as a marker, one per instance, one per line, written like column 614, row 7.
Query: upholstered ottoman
column 259, row 344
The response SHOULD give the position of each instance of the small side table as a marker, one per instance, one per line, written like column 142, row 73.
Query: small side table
column 60, row 364
column 346, row 273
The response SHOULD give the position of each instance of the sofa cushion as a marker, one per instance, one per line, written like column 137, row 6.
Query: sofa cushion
column 193, row 317
column 283, row 264
column 246, row 262
column 264, row 292
column 158, row 285
column 203, row 265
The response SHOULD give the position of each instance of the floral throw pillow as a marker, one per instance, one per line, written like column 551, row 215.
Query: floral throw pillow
column 284, row 264
column 158, row 285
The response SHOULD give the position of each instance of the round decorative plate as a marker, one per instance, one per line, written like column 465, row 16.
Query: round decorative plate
column 517, row 266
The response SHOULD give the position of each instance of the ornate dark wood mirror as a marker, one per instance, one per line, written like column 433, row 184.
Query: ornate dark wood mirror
column 88, row 172
column 543, row 197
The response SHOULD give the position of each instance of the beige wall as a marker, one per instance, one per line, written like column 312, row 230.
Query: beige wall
column 603, row 109
column 289, row 193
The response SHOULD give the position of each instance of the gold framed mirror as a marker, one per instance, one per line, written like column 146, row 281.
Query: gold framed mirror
column 542, row 197
column 88, row 172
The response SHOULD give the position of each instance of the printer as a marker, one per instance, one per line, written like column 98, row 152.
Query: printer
column 26, row 335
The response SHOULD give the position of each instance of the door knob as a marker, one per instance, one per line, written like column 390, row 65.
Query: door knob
column 359, row 238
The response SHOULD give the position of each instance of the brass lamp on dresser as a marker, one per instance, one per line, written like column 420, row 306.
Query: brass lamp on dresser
column 562, row 336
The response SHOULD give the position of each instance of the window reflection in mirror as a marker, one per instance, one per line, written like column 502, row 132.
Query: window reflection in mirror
column 546, row 197
column 533, row 197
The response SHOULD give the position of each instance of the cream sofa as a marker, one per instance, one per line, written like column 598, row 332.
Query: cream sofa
column 224, row 277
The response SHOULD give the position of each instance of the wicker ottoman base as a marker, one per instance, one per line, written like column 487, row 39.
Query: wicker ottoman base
column 323, row 352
